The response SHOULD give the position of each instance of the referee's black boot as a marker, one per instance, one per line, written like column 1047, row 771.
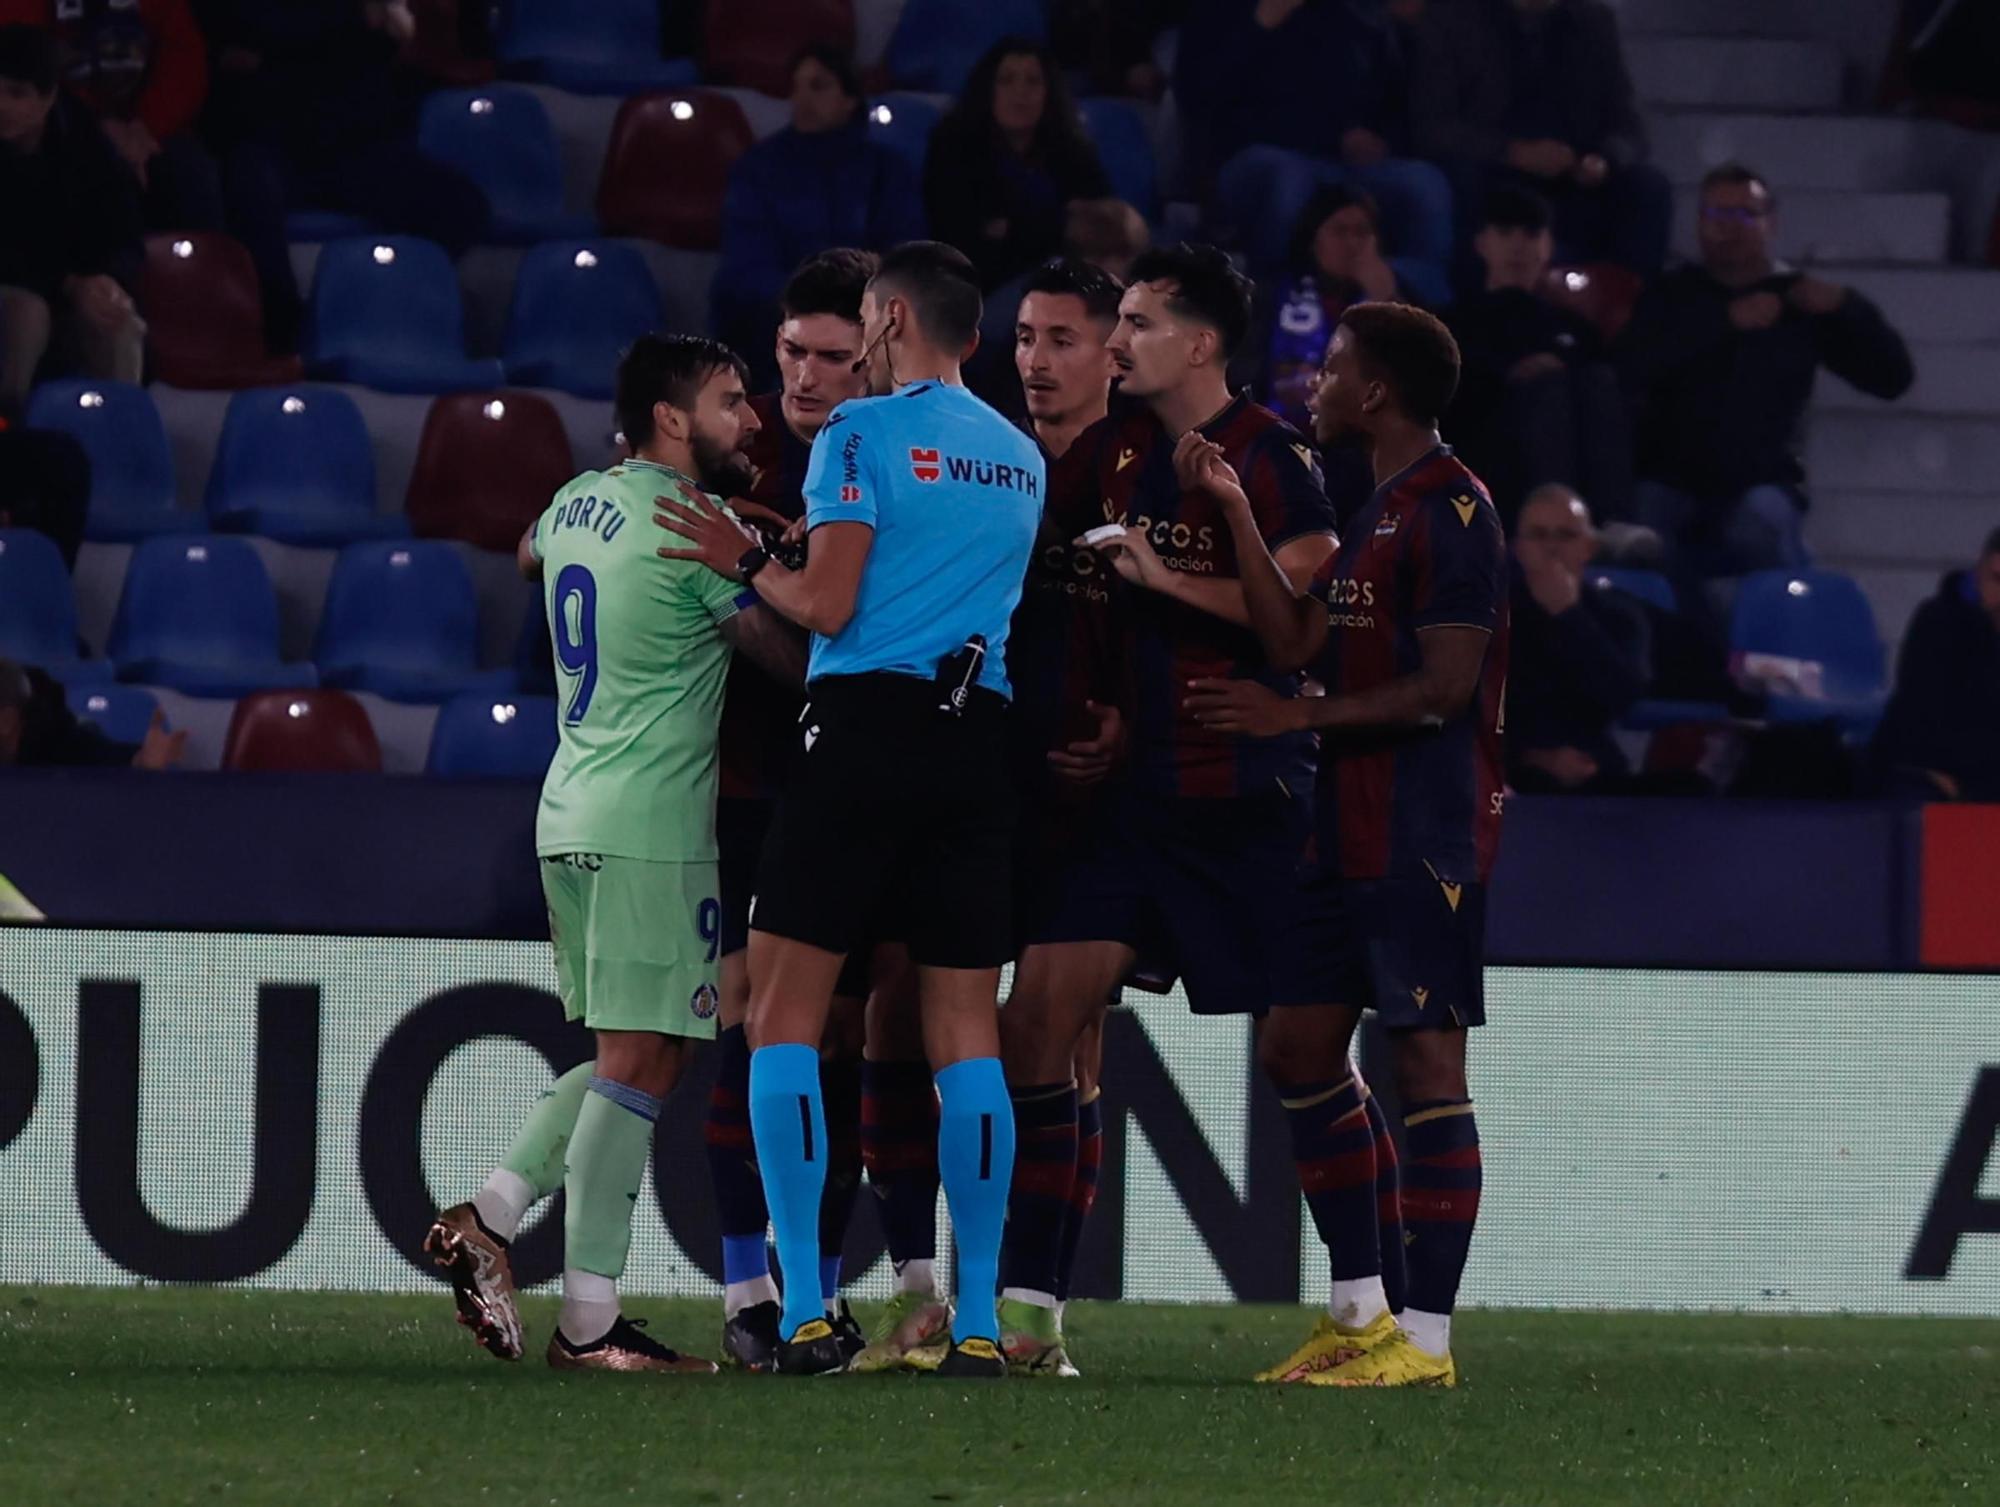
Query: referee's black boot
column 973, row 1360
column 814, row 1351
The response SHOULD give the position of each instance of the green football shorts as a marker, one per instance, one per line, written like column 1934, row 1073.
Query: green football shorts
column 636, row 942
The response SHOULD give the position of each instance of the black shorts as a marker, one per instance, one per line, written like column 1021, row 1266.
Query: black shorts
column 1411, row 950
column 1194, row 885
column 895, row 810
column 741, row 827
column 1056, row 839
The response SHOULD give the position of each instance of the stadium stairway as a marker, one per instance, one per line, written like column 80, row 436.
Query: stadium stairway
column 1893, row 206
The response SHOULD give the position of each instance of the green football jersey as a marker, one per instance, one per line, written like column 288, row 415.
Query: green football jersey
column 640, row 662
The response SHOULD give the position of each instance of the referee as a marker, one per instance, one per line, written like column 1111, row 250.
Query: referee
column 922, row 505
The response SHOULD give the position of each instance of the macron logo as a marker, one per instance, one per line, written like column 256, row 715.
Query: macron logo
column 925, row 465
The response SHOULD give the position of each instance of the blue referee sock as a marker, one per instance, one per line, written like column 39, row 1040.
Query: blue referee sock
column 790, row 1128
column 976, row 1159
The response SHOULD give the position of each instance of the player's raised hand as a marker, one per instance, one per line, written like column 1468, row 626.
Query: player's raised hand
column 714, row 538
column 1132, row 555
column 1087, row 761
column 1243, row 707
column 1199, row 467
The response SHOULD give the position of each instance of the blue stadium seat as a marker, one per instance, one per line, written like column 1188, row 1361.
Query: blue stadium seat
column 903, row 124
column 510, row 736
column 295, row 464
column 198, row 615
column 577, row 305
column 603, row 47
column 322, row 225
column 131, row 467
column 401, row 620
column 501, row 138
column 1817, row 617
column 387, row 313
column 1647, row 585
column 38, row 609
column 937, row 41
column 121, row 712
column 1119, row 133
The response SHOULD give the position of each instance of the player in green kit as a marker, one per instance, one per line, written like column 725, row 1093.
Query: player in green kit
column 626, row 837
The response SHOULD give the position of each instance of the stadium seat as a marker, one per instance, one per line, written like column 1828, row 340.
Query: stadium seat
column 295, row 464
column 1126, row 150
column 438, row 50
column 38, row 609
column 402, row 620
column 310, row 225
column 204, row 313
column 903, row 123
column 1647, row 585
column 604, row 47
column 668, row 164
column 577, row 305
column 198, row 615
column 387, row 313
column 750, row 44
column 301, row 732
column 1804, row 619
column 1602, row 292
column 131, row 466
column 510, row 736
column 488, row 463
column 936, row 42
column 501, row 138
column 121, row 712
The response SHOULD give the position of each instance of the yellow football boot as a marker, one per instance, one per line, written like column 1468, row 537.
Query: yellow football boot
column 1397, row 1362
column 1330, row 1346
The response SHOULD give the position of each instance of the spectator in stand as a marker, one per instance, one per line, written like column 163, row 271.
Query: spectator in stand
column 1538, row 399
column 1580, row 654
column 1941, row 736
column 1007, row 162
column 1336, row 261
column 1535, row 92
column 820, row 182
column 1287, row 95
column 1107, row 233
column 69, row 231
column 38, row 730
column 140, row 67
column 1720, row 359
column 1109, row 44
column 45, row 486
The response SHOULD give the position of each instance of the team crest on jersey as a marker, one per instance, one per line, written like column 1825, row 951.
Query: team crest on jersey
column 1388, row 525
column 706, row 1002
column 925, row 465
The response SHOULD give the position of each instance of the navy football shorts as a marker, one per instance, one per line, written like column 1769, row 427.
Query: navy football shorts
column 1411, row 950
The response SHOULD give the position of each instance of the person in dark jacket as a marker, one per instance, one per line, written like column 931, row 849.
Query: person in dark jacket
column 1538, row 399
column 1289, row 95
column 1941, row 735
column 69, row 231
column 818, row 183
column 1580, row 654
column 1720, row 360
column 1007, row 162
column 45, row 486
column 39, row 731
column 1535, row 92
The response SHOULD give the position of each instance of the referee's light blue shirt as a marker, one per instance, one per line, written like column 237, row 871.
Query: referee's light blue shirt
column 954, row 493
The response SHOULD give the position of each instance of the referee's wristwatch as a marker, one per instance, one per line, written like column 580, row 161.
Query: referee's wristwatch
column 750, row 562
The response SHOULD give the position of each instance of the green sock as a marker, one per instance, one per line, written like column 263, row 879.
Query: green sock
column 607, row 1161
column 536, row 1156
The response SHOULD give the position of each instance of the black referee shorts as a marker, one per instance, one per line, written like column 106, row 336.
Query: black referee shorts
column 895, row 808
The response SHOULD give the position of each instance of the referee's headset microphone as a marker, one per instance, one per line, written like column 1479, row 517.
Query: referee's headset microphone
column 875, row 345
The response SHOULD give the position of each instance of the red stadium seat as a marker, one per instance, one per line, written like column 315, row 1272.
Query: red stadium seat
column 302, row 732
column 750, row 44
column 668, row 165
column 204, row 314
column 1602, row 292
column 487, row 465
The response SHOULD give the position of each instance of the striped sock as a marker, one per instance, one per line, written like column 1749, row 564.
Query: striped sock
column 899, row 1130
column 1082, row 1193
column 1335, row 1151
column 840, row 1093
column 1441, row 1183
column 732, row 1170
column 1045, row 1159
column 1389, row 1210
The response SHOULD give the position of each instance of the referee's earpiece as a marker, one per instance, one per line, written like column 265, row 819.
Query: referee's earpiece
column 875, row 345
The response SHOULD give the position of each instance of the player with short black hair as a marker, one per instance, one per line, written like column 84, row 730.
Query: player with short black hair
column 1406, row 628
column 1199, row 283
column 922, row 504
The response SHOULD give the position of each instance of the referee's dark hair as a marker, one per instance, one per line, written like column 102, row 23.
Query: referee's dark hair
column 1207, row 287
column 830, row 283
column 1098, row 289
column 1409, row 350
column 941, row 287
column 1738, row 175
column 670, row 369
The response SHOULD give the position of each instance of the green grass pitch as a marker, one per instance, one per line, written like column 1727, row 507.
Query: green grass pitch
column 197, row 1395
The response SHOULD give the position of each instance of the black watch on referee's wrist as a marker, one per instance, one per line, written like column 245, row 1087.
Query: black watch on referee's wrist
column 750, row 562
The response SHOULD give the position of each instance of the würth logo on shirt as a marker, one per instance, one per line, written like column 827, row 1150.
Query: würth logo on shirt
column 925, row 465
column 850, row 494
